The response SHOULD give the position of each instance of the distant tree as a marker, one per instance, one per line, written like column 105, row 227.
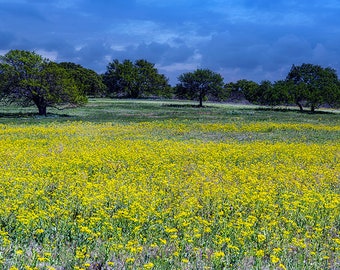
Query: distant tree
column 234, row 91
column 312, row 85
column 27, row 78
column 135, row 80
column 150, row 82
column 249, row 89
column 279, row 94
column 200, row 84
column 119, row 77
column 266, row 93
column 88, row 81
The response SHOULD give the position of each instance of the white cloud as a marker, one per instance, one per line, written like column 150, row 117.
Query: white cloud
column 3, row 52
column 118, row 48
column 51, row 55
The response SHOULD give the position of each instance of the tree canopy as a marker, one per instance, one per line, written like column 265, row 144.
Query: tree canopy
column 200, row 85
column 305, row 85
column 87, row 80
column 27, row 78
column 312, row 85
column 135, row 80
column 249, row 89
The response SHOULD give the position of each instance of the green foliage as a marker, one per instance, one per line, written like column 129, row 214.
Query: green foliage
column 279, row 94
column 201, row 84
column 87, row 80
column 62, row 88
column 305, row 85
column 312, row 85
column 249, row 89
column 264, row 93
column 135, row 80
column 27, row 78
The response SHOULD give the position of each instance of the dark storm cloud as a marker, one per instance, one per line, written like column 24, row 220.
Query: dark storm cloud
column 160, row 53
column 240, row 39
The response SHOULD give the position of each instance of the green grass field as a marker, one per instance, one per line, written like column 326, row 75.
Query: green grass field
column 134, row 111
column 101, row 110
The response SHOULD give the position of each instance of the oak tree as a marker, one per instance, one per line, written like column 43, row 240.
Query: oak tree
column 28, row 79
column 135, row 79
column 312, row 85
column 201, row 84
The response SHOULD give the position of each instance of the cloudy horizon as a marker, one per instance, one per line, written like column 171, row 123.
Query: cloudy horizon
column 254, row 40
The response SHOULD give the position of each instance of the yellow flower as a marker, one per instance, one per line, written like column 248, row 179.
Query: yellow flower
column 130, row 260
column 282, row 267
column 274, row 259
column 43, row 259
column 277, row 250
column 173, row 236
column 163, row 241
column 19, row 252
column 149, row 265
column 261, row 237
column 111, row 264
column 218, row 254
column 259, row 253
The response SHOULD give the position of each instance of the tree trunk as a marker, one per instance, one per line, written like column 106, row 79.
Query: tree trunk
column 41, row 105
column 42, row 110
column 312, row 108
column 201, row 101
column 300, row 106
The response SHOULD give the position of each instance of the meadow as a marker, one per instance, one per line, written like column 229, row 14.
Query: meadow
column 123, row 184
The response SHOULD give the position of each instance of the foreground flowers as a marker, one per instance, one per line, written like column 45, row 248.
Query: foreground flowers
column 168, row 195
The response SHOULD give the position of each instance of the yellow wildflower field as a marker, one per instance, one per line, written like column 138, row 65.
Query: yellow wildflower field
column 80, row 195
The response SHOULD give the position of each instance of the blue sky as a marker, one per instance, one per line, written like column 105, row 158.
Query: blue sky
column 240, row 39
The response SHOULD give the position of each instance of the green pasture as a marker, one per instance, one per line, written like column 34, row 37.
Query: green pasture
column 126, row 110
column 135, row 111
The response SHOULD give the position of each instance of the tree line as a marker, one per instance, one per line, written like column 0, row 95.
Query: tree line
column 29, row 79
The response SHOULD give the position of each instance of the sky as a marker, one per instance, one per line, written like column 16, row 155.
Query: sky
column 239, row 39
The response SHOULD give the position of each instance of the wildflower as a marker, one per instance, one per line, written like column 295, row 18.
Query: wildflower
column 130, row 260
column 19, row 252
column 274, row 259
column 261, row 237
column 39, row 231
column 282, row 267
column 163, row 241
column 218, row 254
column 149, row 265
column 111, row 264
column 43, row 259
column 259, row 253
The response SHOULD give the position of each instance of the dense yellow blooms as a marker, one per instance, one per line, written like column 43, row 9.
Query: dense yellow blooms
column 157, row 195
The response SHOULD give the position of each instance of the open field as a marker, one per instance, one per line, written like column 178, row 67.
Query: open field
column 165, row 185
